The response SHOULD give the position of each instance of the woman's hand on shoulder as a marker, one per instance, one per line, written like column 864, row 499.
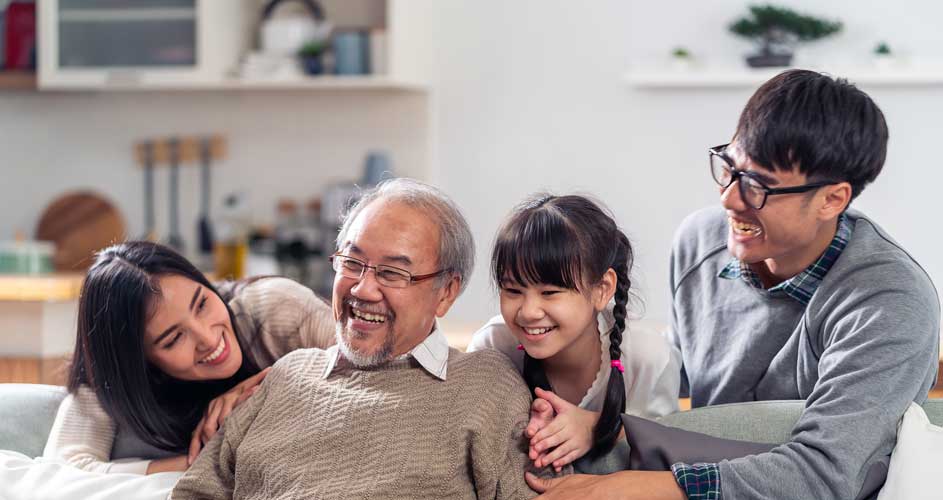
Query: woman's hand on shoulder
column 219, row 409
column 566, row 438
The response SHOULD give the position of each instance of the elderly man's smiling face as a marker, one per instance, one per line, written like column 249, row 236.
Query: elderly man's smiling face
column 376, row 323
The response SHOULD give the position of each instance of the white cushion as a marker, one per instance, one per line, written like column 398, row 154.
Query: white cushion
column 24, row 478
column 916, row 461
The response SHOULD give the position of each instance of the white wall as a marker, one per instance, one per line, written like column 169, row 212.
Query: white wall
column 529, row 97
column 281, row 144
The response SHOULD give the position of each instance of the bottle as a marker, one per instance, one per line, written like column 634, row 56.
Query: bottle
column 231, row 248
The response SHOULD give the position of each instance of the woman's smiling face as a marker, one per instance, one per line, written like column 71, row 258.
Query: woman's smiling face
column 189, row 334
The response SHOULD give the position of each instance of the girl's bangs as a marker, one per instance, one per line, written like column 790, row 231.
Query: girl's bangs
column 537, row 247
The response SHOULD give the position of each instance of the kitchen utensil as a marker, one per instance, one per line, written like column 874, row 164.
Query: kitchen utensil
column 174, row 240
column 204, row 226
column 80, row 224
column 150, row 231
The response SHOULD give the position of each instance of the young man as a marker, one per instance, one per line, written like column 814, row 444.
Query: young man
column 784, row 293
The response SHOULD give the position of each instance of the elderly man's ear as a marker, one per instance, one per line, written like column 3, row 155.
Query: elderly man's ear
column 447, row 296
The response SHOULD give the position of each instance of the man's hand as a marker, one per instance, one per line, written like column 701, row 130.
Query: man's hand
column 568, row 437
column 170, row 464
column 219, row 409
column 625, row 485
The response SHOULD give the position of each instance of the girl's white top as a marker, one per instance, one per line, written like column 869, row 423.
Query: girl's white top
column 652, row 365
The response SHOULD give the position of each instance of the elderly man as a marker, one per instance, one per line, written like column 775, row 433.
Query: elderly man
column 390, row 411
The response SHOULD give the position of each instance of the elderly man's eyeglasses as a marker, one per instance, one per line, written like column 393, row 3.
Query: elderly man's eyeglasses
column 753, row 191
column 389, row 276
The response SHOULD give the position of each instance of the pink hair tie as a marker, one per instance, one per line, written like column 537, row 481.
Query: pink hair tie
column 520, row 347
column 617, row 364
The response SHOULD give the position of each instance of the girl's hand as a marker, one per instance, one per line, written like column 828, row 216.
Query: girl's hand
column 219, row 409
column 541, row 414
column 568, row 437
column 170, row 464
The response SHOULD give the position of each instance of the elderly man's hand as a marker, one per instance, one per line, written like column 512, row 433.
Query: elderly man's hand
column 625, row 485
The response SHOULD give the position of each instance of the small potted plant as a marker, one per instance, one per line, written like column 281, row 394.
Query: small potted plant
column 311, row 55
column 883, row 57
column 778, row 30
column 681, row 58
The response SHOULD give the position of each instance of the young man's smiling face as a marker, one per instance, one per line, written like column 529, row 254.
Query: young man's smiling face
column 791, row 230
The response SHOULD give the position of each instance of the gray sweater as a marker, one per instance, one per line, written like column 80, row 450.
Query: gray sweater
column 866, row 346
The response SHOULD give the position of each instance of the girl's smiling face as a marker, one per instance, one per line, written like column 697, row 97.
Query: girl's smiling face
column 189, row 335
column 548, row 319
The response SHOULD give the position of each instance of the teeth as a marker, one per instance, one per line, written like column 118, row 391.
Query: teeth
column 373, row 318
column 538, row 331
column 744, row 228
column 215, row 354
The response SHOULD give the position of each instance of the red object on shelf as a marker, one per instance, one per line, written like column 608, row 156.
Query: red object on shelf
column 20, row 36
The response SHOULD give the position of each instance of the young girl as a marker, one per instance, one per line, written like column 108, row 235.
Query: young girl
column 558, row 262
column 160, row 352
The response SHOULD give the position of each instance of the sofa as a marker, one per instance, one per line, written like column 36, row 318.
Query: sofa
column 27, row 412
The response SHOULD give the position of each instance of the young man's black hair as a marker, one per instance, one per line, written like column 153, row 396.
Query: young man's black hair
column 825, row 127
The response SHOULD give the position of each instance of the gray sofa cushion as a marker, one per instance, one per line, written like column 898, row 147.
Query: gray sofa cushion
column 757, row 422
column 26, row 415
column 27, row 412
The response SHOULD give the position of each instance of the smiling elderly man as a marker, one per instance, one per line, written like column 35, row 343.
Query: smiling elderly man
column 390, row 411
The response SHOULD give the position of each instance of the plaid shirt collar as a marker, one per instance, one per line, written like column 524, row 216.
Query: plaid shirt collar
column 801, row 286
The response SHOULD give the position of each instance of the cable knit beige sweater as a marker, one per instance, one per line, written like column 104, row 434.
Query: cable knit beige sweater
column 391, row 432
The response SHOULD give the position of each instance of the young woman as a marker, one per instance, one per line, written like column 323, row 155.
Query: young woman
column 562, row 267
column 164, row 355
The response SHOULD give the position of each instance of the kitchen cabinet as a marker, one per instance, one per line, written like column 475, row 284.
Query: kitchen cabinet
column 37, row 326
column 183, row 45
column 138, row 43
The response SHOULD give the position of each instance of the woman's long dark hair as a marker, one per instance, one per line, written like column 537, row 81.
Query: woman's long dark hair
column 109, row 349
column 570, row 242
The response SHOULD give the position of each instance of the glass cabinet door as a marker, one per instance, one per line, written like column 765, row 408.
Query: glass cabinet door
column 126, row 33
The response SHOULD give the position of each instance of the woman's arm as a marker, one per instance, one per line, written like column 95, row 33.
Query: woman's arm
column 83, row 433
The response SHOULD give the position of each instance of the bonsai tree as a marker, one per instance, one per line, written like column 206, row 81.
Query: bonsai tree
column 680, row 53
column 778, row 30
column 882, row 49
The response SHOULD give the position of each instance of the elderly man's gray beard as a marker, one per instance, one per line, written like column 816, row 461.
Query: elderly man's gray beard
column 381, row 356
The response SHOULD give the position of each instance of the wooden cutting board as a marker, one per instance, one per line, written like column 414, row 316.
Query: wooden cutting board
column 80, row 223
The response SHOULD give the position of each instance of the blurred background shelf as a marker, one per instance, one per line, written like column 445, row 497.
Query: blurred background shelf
column 734, row 77
column 313, row 83
column 17, row 80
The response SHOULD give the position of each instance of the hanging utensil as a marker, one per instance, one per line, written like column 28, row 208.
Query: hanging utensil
column 174, row 240
column 204, row 226
column 150, row 232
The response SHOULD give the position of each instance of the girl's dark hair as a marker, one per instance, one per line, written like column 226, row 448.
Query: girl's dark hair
column 570, row 242
column 114, row 307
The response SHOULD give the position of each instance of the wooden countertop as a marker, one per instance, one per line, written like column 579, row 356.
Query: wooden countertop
column 40, row 288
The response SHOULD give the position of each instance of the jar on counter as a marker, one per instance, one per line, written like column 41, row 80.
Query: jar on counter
column 26, row 257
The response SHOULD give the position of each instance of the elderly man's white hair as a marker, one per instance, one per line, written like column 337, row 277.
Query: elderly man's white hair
column 456, row 244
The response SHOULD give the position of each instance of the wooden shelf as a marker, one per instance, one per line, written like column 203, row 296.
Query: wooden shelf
column 17, row 80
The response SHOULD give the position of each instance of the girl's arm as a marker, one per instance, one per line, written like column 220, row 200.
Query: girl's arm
column 83, row 433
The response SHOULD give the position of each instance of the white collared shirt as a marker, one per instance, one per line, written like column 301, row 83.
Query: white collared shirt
column 432, row 354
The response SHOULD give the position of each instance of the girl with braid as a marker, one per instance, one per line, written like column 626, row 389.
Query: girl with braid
column 562, row 266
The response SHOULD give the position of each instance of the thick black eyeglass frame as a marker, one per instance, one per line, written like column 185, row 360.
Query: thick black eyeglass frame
column 412, row 278
column 735, row 174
